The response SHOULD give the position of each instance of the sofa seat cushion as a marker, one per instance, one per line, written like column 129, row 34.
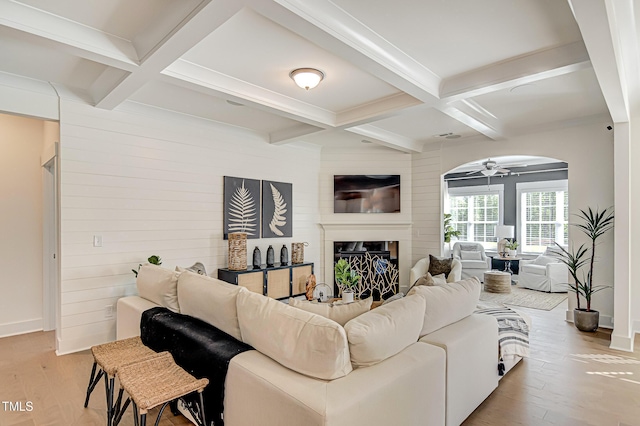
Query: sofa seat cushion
column 210, row 300
column 534, row 269
column 449, row 303
column 340, row 313
column 158, row 285
column 474, row 264
column 385, row 331
column 302, row 341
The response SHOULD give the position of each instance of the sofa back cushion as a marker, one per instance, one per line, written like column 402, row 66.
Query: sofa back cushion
column 449, row 303
column 158, row 285
column 340, row 313
column 302, row 341
column 385, row 331
column 210, row 300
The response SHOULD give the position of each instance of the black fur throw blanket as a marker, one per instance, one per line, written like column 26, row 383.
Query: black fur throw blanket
column 199, row 348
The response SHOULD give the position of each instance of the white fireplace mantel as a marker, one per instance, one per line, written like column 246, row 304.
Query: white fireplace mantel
column 369, row 231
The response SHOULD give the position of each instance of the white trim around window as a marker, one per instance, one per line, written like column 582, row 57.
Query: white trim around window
column 480, row 190
column 528, row 187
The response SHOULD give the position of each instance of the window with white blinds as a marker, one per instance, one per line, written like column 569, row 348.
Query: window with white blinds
column 543, row 215
column 475, row 212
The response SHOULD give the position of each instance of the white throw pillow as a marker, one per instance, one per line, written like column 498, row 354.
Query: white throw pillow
column 338, row 313
column 210, row 300
column 448, row 303
column 159, row 285
column 470, row 255
column 302, row 341
column 384, row 331
column 544, row 260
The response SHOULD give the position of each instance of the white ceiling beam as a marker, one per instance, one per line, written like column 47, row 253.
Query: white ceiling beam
column 293, row 134
column 198, row 78
column 536, row 66
column 465, row 113
column 330, row 27
column 376, row 110
column 208, row 16
column 385, row 138
column 81, row 40
column 593, row 18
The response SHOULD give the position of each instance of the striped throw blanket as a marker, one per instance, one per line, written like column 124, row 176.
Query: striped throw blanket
column 513, row 332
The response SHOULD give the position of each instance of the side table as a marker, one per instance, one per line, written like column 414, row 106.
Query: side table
column 497, row 282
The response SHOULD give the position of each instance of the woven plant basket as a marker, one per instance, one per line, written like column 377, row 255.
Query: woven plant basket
column 297, row 252
column 237, row 251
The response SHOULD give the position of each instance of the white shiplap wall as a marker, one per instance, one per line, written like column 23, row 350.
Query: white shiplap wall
column 426, row 203
column 151, row 182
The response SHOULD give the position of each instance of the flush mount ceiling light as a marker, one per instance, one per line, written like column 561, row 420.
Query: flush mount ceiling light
column 306, row 78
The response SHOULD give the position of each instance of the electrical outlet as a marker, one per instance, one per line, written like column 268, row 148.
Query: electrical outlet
column 108, row 311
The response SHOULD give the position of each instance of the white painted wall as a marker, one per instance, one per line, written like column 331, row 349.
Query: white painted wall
column 151, row 182
column 368, row 160
column 21, row 142
column 589, row 151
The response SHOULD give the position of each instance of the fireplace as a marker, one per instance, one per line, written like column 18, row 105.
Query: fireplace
column 391, row 239
column 374, row 259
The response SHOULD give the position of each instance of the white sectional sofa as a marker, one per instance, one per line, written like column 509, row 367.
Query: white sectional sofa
column 413, row 361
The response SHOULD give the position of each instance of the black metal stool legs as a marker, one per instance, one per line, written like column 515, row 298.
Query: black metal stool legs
column 93, row 381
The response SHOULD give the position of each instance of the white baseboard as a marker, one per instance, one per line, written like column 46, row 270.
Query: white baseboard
column 622, row 343
column 21, row 327
column 69, row 346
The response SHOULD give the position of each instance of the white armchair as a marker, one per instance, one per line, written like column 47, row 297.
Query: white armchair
column 544, row 273
column 473, row 258
column 422, row 266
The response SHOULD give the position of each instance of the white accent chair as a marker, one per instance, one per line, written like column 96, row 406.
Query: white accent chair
column 422, row 266
column 544, row 273
column 473, row 258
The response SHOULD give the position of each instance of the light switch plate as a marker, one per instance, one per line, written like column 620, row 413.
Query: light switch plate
column 97, row 240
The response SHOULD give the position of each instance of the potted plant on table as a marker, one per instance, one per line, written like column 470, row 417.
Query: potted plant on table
column 594, row 225
column 347, row 279
column 512, row 246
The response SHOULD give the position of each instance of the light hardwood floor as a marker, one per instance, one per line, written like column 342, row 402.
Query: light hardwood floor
column 571, row 378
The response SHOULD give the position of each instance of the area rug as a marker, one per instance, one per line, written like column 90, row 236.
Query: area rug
column 525, row 297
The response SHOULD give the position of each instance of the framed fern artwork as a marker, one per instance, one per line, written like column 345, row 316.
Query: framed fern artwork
column 277, row 209
column 241, row 206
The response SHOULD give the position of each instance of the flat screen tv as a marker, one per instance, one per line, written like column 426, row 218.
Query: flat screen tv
column 366, row 194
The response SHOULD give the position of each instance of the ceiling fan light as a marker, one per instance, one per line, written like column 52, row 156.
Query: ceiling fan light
column 306, row 78
column 488, row 172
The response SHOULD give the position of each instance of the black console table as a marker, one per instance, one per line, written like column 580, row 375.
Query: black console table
column 506, row 264
column 278, row 281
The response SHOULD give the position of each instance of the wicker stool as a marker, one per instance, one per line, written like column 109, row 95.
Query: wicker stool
column 157, row 381
column 110, row 357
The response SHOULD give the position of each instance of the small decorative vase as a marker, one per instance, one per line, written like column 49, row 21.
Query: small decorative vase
column 284, row 255
column 513, row 253
column 257, row 258
column 270, row 257
column 347, row 296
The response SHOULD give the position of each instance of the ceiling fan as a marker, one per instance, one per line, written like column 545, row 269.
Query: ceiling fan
column 490, row 168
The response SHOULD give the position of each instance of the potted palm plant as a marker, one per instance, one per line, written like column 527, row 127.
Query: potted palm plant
column 594, row 225
column 449, row 230
column 347, row 279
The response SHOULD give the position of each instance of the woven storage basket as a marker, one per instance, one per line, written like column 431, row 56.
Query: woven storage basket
column 237, row 251
column 297, row 252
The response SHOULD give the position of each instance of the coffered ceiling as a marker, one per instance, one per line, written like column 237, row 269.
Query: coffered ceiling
column 398, row 74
